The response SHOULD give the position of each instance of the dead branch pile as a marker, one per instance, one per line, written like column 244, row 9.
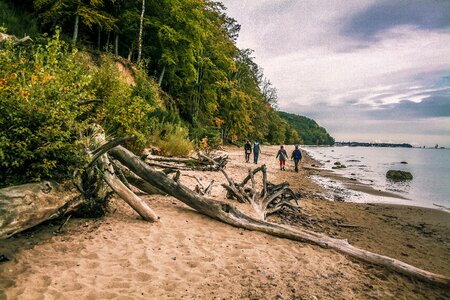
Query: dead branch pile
column 202, row 162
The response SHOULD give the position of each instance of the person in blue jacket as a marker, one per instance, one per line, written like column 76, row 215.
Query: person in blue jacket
column 297, row 157
column 256, row 151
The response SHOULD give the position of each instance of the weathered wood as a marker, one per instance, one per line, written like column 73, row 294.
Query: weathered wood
column 201, row 163
column 13, row 39
column 108, row 174
column 229, row 214
column 27, row 205
column 107, row 146
column 141, row 184
column 200, row 187
column 271, row 199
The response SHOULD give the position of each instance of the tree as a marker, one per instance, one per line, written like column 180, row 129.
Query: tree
column 141, row 27
column 60, row 12
column 269, row 92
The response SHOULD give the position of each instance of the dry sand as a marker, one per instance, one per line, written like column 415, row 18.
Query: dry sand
column 188, row 255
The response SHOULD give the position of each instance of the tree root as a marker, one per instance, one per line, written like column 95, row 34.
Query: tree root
column 271, row 199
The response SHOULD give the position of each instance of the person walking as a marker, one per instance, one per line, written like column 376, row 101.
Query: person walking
column 282, row 155
column 297, row 157
column 248, row 151
column 256, row 151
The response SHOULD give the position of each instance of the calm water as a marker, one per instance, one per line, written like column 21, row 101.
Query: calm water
column 430, row 186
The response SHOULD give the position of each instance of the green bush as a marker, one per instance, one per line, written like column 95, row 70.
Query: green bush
column 173, row 140
column 39, row 91
column 212, row 134
column 43, row 121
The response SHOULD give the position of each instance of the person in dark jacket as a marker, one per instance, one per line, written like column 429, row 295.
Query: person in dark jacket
column 297, row 157
column 256, row 151
column 248, row 151
column 282, row 155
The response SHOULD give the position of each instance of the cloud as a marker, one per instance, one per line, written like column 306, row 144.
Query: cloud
column 353, row 62
column 404, row 58
column 387, row 14
column 436, row 105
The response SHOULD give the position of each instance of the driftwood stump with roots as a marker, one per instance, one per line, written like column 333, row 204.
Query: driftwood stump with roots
column 269, row 200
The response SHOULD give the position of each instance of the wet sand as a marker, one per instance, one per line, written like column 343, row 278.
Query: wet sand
column 188, row 255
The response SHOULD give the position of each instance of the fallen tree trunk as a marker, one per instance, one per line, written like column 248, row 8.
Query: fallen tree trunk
column 108, row 174
column 230, row 215
column 123, row 192
column 27, row 205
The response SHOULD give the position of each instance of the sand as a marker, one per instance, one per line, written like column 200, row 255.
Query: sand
column 190, row 256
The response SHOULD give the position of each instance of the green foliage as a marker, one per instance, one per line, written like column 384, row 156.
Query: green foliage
column 212, row 135
column 125, row 109
column 308, row 129
column 16, row 20
column 173, row 140
column 42, row 116
column 62, row 12
column 39, row 89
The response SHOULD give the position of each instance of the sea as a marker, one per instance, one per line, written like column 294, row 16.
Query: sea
column 430, row 186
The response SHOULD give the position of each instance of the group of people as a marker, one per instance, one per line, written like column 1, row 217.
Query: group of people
column 282, row 155
column 248, row 150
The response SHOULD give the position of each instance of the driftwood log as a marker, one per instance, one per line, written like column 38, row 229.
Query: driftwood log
column 109, row 175
column 27, row 205
column 229, row 214
column 6, row 38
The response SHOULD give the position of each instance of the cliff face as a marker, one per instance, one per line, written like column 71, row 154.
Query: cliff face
column 308, row 129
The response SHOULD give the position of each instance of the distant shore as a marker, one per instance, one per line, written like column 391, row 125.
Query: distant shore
column 188, row 255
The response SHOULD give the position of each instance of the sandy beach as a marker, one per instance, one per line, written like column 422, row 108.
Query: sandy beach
column 187, row 255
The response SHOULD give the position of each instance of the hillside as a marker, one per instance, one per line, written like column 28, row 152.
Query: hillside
column 189, row 84
column 310, row 132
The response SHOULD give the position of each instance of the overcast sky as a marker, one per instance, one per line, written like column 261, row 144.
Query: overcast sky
column 366, row 70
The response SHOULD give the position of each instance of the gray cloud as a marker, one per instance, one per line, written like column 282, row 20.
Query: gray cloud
column 364, row 69
column 437, row 105
column 383, row 15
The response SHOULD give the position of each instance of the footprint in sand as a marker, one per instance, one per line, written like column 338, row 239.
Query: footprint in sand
column 73, row 286
column 141, row 276
column 192, row 264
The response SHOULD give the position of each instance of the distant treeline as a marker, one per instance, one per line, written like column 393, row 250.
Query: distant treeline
column 359, row 144
column 308, row 130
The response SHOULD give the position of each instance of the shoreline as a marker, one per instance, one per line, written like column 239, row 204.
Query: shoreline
column 121, row 256
column 365, row 190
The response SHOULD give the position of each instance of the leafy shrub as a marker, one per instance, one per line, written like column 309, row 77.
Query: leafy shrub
column 173, row 140
column 39, row 91
column 42, row 121
column 207, row 137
